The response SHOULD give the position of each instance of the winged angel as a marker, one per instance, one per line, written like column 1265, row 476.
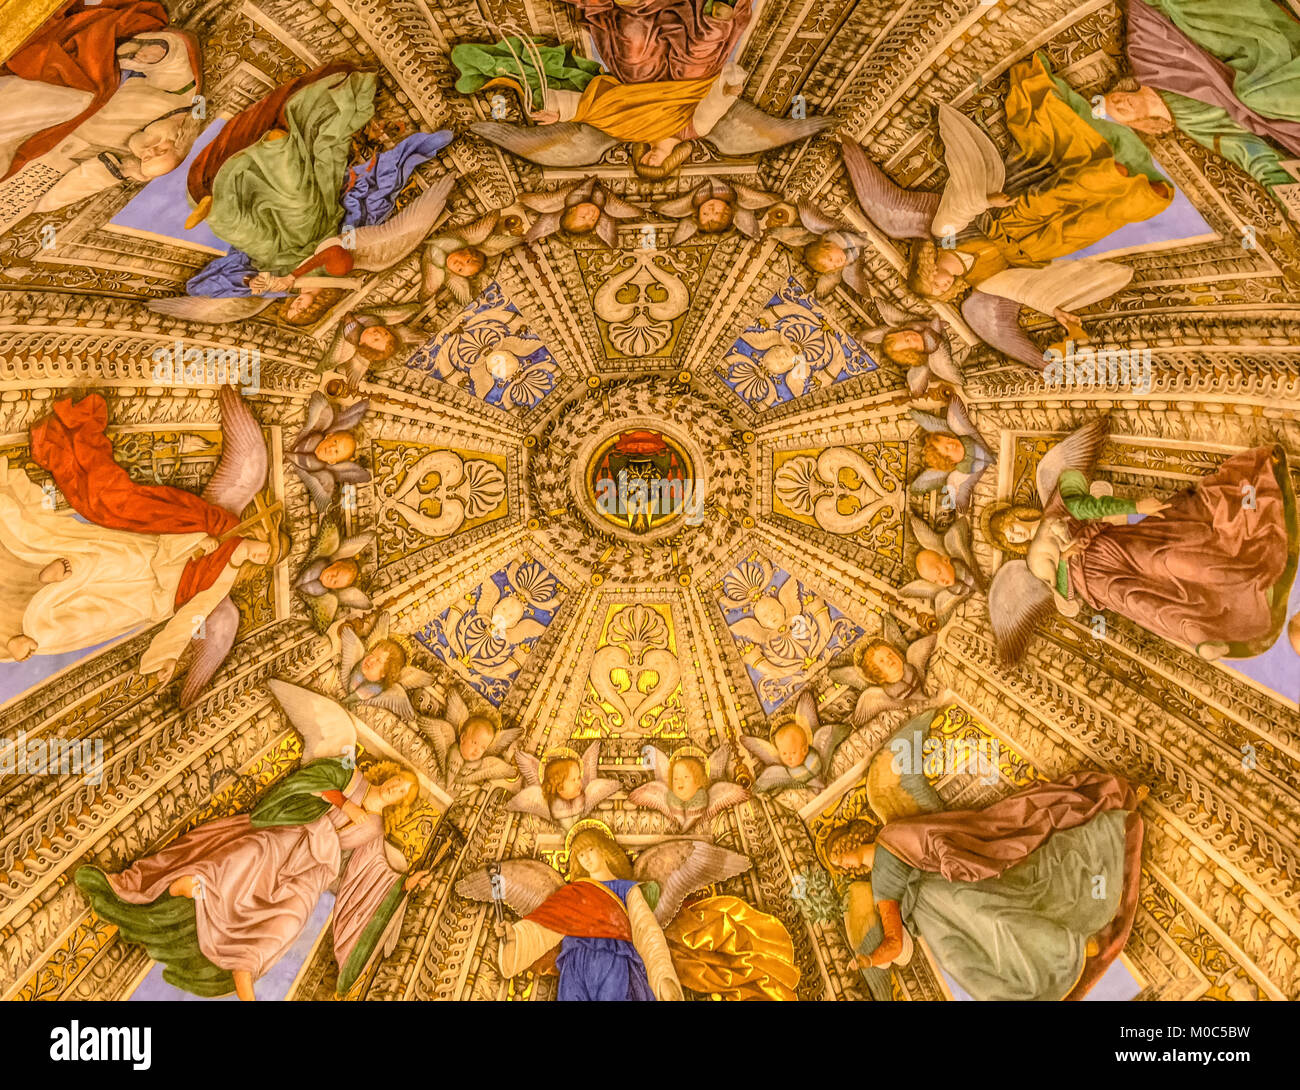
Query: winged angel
column 562, row 786
column 470, row 746
column 331, row 577
column 139, row 554
column 800, row 749
column 624, row 931
column 689, row 786
column 1017, row 261
column 377, row 669
column 954, row 454
column 259, row 876
column 887, row 671
column 1005, row 897
column 323, row 452
column 946, row 568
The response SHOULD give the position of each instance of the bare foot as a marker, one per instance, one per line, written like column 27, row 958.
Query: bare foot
column 244, row 985
column 186, row 886
column 1093, row 947
column 56, row 571
column 21, row 647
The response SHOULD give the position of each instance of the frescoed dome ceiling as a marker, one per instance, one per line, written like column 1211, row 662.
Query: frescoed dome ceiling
column 701, row 457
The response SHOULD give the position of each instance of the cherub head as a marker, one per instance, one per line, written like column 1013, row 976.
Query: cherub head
column 476, row 734
column 687, row 774
column 377, row 342
column 792, row 743
column 384, row 662
column 1012, row 526
column 1142, row 109
column 593, row 851
column 340, row 574
column 336, row 447
column 905, row 347
column 852, row 848
column 936, row 568
column 562, row 779
column 309, row 304
column 715, row 215
column 466, row 262
column 880, row 661
column 823, row 255
column 942, row 452
column 580, row 218
column 927, row 274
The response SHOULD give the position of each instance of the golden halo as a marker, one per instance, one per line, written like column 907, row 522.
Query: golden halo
column 592, row 824
column 690, row 751
column 558, row 753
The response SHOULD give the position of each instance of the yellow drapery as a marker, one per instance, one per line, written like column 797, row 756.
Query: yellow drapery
column 726, row 947
column 641, row 111
column 19, row 19
column 1091, row 195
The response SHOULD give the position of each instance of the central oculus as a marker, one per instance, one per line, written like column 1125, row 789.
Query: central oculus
column 641, row 480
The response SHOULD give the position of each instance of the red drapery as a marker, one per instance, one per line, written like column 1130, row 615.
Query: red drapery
column 71, row 444
column 585, row 909
column 77, row 47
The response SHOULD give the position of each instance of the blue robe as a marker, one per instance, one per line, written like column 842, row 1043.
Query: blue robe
column 602, row 970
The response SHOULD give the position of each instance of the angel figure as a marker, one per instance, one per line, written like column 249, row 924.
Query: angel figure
column 222, row 904
column 800, row 749
column 946, row 568
column 916, row 343
column 584, row 208
column 1210, row 568
column 323, row 453
column 887, row 671
column 1096, row 183
column 371, row 340
column 689, row 785
column 563, row 785
column 715, row 206
column 329, row 579
column 377, row 670
column 1005, row 897
column 831, row 249
column 139, row 555
column 617, row 931
column 955, row 456
column 458, row 257
column 470, row 746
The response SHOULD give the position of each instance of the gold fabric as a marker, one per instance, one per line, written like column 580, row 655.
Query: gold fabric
column 723, row 946
column 646, row 112
column 19, row 19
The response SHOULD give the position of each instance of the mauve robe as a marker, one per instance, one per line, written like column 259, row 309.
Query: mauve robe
column 650, row 41
column 1201, row 572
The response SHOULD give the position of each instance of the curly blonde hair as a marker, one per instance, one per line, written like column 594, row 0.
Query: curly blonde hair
column 852, row 835
column 922, row 264
column 380, row 773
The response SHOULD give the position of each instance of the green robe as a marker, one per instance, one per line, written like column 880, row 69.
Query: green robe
column 1084, row 506
column 278, row 199
column 1023, row 934
column 479, row 62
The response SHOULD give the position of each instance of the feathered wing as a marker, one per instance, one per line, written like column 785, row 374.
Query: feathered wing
column 719, row 759
column 591, row 763
column 1078, row 450
column 680, row 867
column 996, row 322
column 489, row 768
column 531, row 801
column 215, row 311
column 723, row 795
column 896, row 783
column 565, row 144
column 503, row 741
column 327, row 728
column 395, row 700
column 926, row 536
column 596, row 792
column 747, row 130
column 441, row 735
column 525, row 884
column 897, row 212
column 871, row 702
column 241, row 473
column 349, row 418
column 651, row 796
column 384, row 245
column 1018, row 603
column 351, row 651
column 774, row 778
column 211, row 649
column 919, row 652
column 975, row 171
column 761, row 748
column 530, row 768
column 319, row 419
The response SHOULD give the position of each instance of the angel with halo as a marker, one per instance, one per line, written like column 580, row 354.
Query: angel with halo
column 946, row 568
column 714, row 207
column 330, row 579
column 1205, row 569
column 689, row 785
column 223, row 903
column 371, row 339
column 583, row 208
column 563, row 785
column 459, row 259
column 954, row 454
column 140, row 555
column 616, row 931
column 323, row 453
column 1005, row 896
column 470, row 746
column 1017, row 259
column 800, row 748
column 886, row 671
column 377, row 670
column 916, row 343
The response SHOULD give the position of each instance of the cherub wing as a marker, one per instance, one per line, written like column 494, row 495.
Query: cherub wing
column 489, row 768
column 919, row 652
column 502, row 742
column 596, row 792
column 241, row 473
column 762, row 749
column 210, row 649
column 959, row 422
column 327, row 728
column 975, row 171
column 827, row 740
column 651, row 796
column 723, row 795
column 1078, row 450
column 530, row 768
column 340, row 350
column 871, row 702
column 346, row 419
column 680, row 867
column 659, row 761
column 1018, row 603
column 525, row 884
column 926, row 536
column 320, row 418
column 393, row 699
column 319, row 486
column 896, row 786
column 441, row 735
column 897, row 212
column 844, row 671
column 384, row 245
column 719, row 760
column 747, row 130
column 204, row 308
column 591, row 763
column 412, row 677
column 351, row 651
column 565, row 144
column 996, row 322
column 531, row 801
column 774, row 778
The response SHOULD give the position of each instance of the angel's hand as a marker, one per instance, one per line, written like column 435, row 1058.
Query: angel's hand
column 265, row 282
column 355, row 813
column 545, row 117
column 166, row 674
column 417, row 881
column 504, row 930
column 1152, row 508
